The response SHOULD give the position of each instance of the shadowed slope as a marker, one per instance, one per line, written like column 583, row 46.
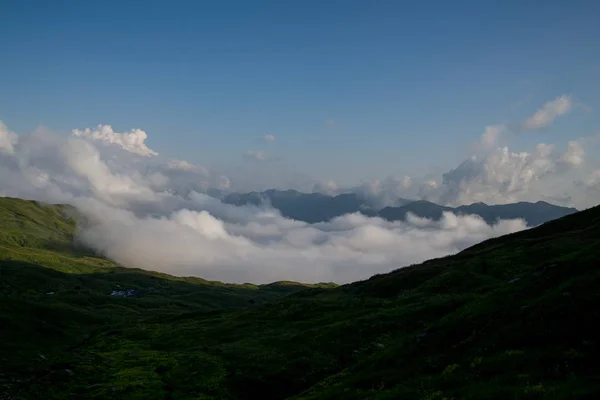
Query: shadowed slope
column 55, row 294
column 512, row 317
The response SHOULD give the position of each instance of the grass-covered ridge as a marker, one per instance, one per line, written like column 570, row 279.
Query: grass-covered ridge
column 511, row 318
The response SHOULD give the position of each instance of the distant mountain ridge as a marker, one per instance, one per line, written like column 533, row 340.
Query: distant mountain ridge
column 318, row 207
column 307, row 207
column 533, row 213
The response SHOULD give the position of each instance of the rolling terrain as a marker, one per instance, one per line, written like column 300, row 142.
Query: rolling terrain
column 510, row 318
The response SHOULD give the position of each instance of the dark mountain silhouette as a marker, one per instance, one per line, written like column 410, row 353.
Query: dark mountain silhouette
column 533, row 213
column 420, row 208
column 307, row 207
column 318, row 207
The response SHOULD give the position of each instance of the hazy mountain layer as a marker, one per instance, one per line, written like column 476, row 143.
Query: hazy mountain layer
column 317, row 207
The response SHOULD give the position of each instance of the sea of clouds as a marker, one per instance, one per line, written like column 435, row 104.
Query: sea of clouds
column 148, row 212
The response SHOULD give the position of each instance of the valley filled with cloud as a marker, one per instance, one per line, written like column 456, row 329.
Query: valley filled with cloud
column 147, row 211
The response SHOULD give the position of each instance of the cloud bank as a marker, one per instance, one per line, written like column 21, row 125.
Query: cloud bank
column 148, row 212
column 494, row 174
column 498, row 176
column 260, row 246
column 7, row 139
column 132, row 141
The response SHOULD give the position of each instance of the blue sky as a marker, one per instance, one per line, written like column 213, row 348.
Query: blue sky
column 352, row 90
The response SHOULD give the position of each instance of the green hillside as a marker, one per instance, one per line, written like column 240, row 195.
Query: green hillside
column 54, row 293
column 510, row 318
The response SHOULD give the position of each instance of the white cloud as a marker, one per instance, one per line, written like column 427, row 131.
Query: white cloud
column 263, row 247
column 540, row 119
column 141, row 216
column 268, row 138
column 147, row 212
column 503, row 176
column 490, row 136
column 574, row 155
column 42, row 163
column 132, row 141
column 255, row 155
column 384, row 193
column 594, row 179
column 330, row 188
column 377, row 194
column 84, row 160
column 497, row 176
column 590, row 185
column 182, row 165
column 7, row 139
column 548, row 113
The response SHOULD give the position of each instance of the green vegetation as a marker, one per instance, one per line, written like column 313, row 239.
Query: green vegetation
column 511, row 318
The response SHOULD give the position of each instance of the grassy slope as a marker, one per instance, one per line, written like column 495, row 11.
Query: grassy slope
column 37, row 257
column 511, row 318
